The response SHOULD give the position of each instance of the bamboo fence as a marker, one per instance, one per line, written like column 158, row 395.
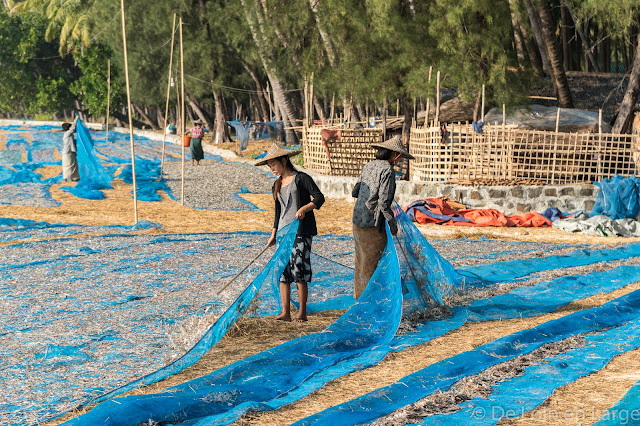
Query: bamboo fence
column 501, row 154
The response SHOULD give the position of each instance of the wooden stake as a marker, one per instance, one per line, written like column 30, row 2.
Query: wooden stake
column 438, row 98
column 130, row 111
column 270, row 105
column 333, row 106
column 384, row 117
column 108, row 96
column 311, row 101
column 166, row 110
column 482, row 110
column 397, row 107
column 306, row 102
column 182, row 129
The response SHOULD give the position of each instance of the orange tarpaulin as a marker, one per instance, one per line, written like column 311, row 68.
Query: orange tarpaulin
column 436, row 210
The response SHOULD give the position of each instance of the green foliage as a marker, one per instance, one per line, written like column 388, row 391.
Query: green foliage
column 33, row 79
column 91, row 87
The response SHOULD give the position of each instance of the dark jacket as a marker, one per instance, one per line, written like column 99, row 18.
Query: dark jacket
column 307, row 191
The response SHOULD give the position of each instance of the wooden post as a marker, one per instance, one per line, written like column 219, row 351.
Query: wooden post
column 108, row 97
column 398, row 108
column 306, row 102
column 126, row 74
column 504, row 141
column 311, row 101
column 426, row 116
column 384, row 117
column 184, row 118
column 438, row 98
column 333, row 106
column 166, row 110
column 599, row 154
column 555, row 147
column 482, row 110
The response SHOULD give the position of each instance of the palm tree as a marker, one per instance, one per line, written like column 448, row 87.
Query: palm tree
column 68, row 20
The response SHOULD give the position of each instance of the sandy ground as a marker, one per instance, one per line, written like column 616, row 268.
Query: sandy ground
column 597, row 392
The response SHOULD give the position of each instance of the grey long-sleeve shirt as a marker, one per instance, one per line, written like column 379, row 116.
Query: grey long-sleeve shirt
column 69, row 139
column 374, row 191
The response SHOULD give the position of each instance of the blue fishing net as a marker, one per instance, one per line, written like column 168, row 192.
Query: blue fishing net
column 442, row 375
column 515, row 397
column 618, row 198
column 426, row 275
column 251, row 384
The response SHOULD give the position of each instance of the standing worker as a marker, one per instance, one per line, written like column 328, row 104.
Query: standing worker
column 374, row 193
column 296, row 195
column 196, row 133
column 69, row 152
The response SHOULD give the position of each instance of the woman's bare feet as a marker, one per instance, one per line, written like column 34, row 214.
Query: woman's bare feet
column 301, row 319
column 283, row 317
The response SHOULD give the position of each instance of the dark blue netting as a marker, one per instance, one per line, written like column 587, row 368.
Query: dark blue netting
column 624, row 412
column 252, row 383
column 442, row 375
column 618, row 197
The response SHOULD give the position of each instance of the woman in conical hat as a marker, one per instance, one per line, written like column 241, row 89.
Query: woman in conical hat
column 296, row 195
column 374, row 193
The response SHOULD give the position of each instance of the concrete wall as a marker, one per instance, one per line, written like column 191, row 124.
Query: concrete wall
column 508, row 199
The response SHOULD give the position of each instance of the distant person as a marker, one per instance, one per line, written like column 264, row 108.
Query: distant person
column 196, row 133
column 374, row 193
column 69, row 152
column 296, row 195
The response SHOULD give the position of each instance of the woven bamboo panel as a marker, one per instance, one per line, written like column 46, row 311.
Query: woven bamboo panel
column 343, row 157
column 504, row 153
column 314, row 152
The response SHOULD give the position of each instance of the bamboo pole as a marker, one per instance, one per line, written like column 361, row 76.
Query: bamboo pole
column 333, row 106
column 438, row 98
column 311, row 100
column 270, row 105
column 306, row 102
column 599, row 155
column 126, row 73
column 426, row 117
column 166, row 110
column 108, row 97
column 555, row 147
column 397, row 107
column 182, row 129
column 482, row 107
column 384, row 118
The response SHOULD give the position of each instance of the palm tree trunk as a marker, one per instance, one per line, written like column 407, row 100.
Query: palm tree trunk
column 630, row 96
column 532, row 51
column 554, row 54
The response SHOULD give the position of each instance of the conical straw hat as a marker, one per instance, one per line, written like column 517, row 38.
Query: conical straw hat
column 276, row 152
column 394, row 144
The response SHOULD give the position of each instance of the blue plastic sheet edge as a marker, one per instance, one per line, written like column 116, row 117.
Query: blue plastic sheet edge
column 443, row 374
column 626, row 411
column 515, row 397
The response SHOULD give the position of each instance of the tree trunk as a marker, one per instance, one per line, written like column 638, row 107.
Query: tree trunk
column 145, row 117
column 279, row 96
column 196, row 108
column 564, row 19
column 537, row 33
column 220, row 126
column 630, row 96
column 160, row 116
column 554, row 54
column 516, row 35
column 326, row 41
column 319, row 109
column 533, row 52
column 124, row 118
